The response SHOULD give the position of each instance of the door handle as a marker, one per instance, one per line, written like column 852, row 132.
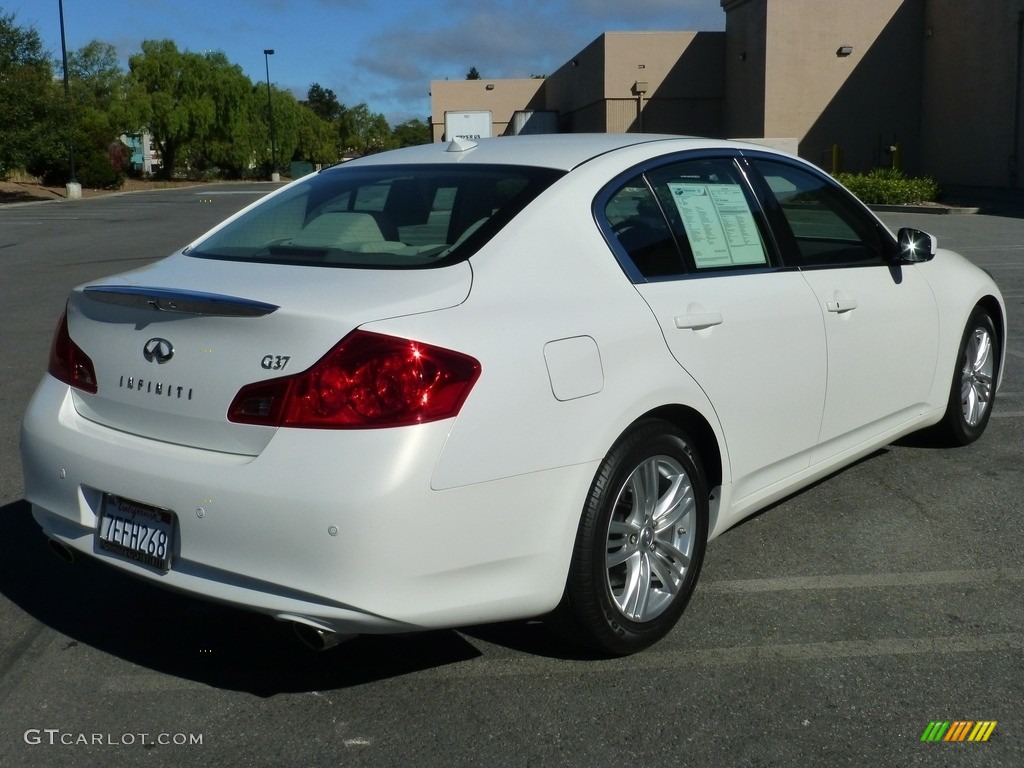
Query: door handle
column 841, row 305
column 698, row 321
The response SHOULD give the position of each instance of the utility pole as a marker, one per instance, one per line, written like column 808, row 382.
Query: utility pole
column 274, row 175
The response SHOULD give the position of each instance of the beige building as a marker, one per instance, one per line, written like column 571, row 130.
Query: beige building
column 972, row 90
column 931, row 86
column 827, row 73
column 621, row 82
column 651, row 82
column 502, row 98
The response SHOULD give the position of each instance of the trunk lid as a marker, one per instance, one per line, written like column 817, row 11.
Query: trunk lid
column 173, row 343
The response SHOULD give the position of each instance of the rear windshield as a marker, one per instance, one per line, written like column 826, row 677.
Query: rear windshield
column 383, row 217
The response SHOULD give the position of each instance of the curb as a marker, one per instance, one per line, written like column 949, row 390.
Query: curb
column 121, row 192
column 935, row 210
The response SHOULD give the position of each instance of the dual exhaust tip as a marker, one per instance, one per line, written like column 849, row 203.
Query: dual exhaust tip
column 312, row 637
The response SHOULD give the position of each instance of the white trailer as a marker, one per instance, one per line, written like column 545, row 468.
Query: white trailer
column 475, row 124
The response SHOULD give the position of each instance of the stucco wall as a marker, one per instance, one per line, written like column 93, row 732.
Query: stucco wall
column 745, row 54
column 867, row 101
column 970, row 91
column 681, row 74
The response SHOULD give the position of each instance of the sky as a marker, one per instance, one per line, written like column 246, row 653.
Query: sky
column 380, row 52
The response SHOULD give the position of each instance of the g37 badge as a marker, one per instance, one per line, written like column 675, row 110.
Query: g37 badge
column 275, row 362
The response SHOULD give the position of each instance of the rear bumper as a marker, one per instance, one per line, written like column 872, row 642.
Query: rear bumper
column 339, row 529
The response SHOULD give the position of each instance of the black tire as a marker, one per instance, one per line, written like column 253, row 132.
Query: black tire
column 973, row 389
column 656, row 544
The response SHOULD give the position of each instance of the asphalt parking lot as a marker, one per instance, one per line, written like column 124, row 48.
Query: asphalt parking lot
column 831, row 629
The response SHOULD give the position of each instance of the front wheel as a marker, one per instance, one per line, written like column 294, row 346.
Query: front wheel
column 974, row 381
column 640, row 542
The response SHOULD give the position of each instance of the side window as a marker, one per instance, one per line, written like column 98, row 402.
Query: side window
column 829, row 228
column 637, row 223
column 712, row 213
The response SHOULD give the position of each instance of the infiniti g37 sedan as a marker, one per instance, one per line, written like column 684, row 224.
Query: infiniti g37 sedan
column 481, row 381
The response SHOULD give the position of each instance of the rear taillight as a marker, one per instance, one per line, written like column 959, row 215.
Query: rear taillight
column 366, row 381
column 68, row 362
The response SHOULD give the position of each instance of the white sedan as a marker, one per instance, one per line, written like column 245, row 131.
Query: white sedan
column 481, row 381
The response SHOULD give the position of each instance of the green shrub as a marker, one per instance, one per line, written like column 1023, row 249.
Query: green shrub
column 887, row 186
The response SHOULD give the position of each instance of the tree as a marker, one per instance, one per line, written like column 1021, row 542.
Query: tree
column 318, row 140
column 99, row 115
column 94, row 66
column 411, row 132
column 172, row 98
column 363, row 131
column 323, row 102
column 98, row 81
column 198, row 107
column 29, row 106
column 236, row 132
column 100, row 158
column 287, row 124
column 473, row 74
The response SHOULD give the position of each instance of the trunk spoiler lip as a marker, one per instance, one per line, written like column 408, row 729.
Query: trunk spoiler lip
column 178, row 300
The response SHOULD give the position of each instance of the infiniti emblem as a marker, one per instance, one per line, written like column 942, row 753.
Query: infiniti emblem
column 158, row 350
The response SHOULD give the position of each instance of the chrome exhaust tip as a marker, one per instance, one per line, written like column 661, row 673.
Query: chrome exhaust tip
column 61, row 550
column 318, row 639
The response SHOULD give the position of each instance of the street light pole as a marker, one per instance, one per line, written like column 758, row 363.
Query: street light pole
column 274, row 175
column 74, row 189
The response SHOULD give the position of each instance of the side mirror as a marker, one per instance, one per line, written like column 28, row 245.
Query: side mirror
column 916, row 246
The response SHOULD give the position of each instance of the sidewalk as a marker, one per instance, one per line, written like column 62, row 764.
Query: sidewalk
column 992, row 201
column 14, row 192
column 989, row 201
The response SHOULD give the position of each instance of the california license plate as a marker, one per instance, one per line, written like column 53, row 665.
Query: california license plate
column 137, row 531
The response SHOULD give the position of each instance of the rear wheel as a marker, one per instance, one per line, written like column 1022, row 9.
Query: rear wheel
column 640, row 542
column 974, row 381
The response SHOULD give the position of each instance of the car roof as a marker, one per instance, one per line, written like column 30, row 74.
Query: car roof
column 563, row 151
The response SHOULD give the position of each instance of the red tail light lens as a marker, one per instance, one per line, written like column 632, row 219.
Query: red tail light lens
column 366, row 381
column 68, row 362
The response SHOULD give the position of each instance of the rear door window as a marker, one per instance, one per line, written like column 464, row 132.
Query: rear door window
column 691, row 217
column 638, row 225
column 713, row 212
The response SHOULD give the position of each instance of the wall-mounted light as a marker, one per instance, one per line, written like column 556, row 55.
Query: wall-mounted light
column 489, row 87
column 844, row 50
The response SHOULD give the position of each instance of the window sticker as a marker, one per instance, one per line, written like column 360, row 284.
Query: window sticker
column 719, row 224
